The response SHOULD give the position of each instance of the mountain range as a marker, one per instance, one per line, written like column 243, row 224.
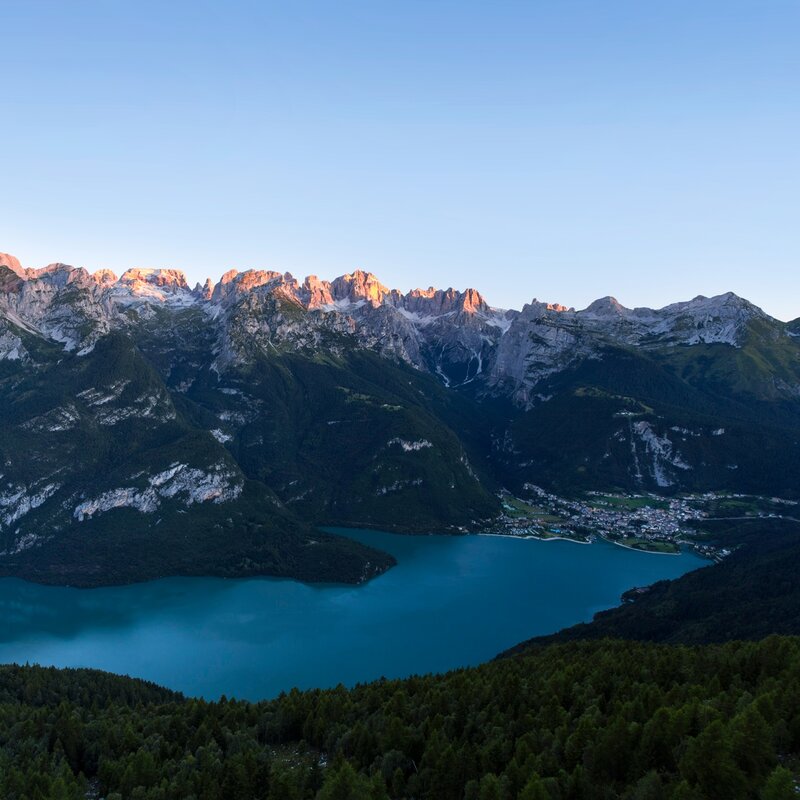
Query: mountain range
column 153, row 428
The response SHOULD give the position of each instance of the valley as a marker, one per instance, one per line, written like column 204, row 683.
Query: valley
column 154, row 429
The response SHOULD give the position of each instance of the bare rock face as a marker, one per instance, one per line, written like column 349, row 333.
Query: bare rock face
column 11, row 346
column 436, row 301
column 205, row 291
column 234, row 284
column 722, row 319
column 315, row 293
column 58, row 303
column 538, row 343
column 453, row 334
column 11, row 263
column 171, row 279
column 255, row 375
column 104, row 277
column 359, row 286
column 10, row 281
column 546, row 338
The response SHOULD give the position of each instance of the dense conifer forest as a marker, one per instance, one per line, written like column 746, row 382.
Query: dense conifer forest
column 681, row 713
column 603, row 719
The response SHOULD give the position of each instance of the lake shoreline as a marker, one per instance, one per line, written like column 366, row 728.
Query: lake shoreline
column 255, row 637
column 640, row 550
column 535, row 538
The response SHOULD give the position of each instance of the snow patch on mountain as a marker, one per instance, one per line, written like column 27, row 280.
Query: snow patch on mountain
column 345, row 304
column 419, row 319
column 501, row 319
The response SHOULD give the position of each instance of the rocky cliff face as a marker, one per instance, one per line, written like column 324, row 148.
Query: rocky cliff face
column 349, row 401
column 545, row 339
column 454, row 335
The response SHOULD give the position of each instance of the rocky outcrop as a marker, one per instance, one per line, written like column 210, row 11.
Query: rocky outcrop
column 11, row 263
column 217, row 485
column 359, row 287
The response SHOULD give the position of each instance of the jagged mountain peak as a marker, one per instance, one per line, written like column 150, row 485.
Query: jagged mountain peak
column 253, row 278
column 205, row 290
column 472, row 301
column 58, row 274
column 315, row 293
column 727, row 313
column 234, row 285
column 161, row 278
column 607, row 306
column 537, row 308
column 452, row 333
column 142, row 287
column 7, row 260
column 105, row 277
column 359, row 285
column 443, row 301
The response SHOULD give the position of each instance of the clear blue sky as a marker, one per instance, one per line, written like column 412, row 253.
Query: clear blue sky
column 564, row 150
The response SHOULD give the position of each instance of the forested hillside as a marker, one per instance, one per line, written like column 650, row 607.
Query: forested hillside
column 583, row 720
column 151, row 429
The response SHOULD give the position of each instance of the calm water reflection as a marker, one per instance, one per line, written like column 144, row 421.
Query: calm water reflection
column 450, row 602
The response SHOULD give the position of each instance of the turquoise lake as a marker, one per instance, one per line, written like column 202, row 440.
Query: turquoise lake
column 450, row 602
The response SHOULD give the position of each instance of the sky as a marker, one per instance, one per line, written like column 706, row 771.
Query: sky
column 560, row 149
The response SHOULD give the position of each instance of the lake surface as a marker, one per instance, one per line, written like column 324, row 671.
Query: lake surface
column 450, row 602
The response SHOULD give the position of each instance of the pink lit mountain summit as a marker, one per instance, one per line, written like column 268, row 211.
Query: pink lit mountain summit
column 453, row 334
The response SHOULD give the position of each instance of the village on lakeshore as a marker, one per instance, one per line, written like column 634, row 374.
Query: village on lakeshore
column 646, row 522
